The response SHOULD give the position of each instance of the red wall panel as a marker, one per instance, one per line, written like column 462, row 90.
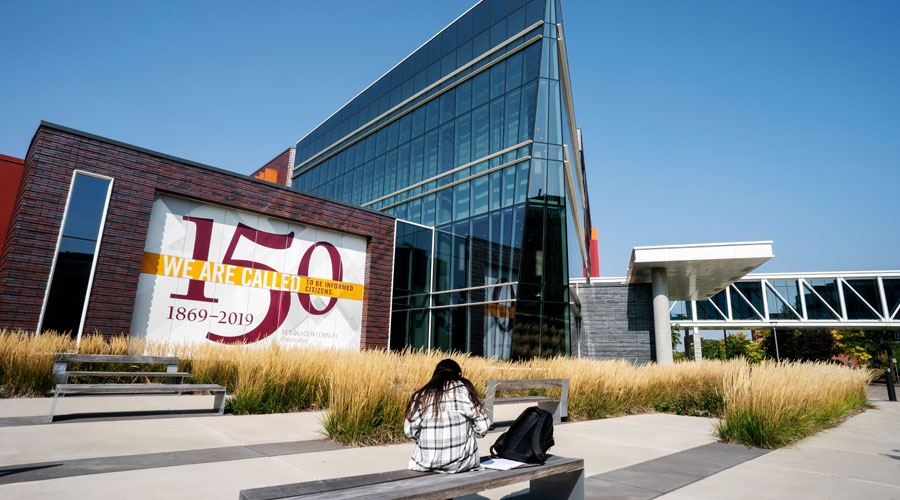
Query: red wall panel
column 10, row 175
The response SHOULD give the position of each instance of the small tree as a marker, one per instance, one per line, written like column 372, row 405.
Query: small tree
column 739, row 346
column 870, row 348
column 676, row 337
column 712, row 349
column 817, row 345
column 800, row 345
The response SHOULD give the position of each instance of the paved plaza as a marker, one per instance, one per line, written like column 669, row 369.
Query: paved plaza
column 155, row 447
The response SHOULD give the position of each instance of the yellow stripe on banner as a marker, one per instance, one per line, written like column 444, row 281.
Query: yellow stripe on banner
column 213, row 272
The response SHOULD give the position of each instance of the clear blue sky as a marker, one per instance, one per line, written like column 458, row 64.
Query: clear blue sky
column 703, row 120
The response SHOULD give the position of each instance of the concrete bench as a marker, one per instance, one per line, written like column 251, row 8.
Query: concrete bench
column 61, row 374
column 558, row 406
column 558, row 478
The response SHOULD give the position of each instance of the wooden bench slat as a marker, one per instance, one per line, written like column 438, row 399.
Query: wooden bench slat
column 441, row 486
column 324, row 485
column 128, row 374
column 524, row 399
column 558, row 406
column 547, row 383
column 134, row 388
column 115, row 358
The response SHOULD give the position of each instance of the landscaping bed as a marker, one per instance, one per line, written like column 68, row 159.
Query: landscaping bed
column 765, row 404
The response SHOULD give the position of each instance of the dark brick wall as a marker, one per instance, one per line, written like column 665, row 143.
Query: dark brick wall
column 617, row 322
column 139, row 175
column 280, row 166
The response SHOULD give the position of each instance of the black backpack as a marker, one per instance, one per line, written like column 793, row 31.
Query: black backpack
column 528, row 438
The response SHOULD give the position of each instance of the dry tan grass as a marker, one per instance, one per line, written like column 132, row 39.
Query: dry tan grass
column 768, row 404
column 773, row 404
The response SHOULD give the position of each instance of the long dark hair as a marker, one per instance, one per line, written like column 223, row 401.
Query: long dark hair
column 431, row 394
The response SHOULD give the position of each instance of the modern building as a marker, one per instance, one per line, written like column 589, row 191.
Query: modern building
column 471, row 142
column 443, row 207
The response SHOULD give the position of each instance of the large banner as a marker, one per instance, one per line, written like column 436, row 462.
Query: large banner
column 216, row 274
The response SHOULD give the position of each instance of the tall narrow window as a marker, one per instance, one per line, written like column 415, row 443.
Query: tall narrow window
column 76, row 254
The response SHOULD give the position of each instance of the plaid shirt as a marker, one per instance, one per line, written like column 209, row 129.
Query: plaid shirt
column 446, row 443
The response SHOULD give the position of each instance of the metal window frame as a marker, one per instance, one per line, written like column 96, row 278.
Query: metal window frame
column 725, row 316
column 62, row 226
column 840, row 288
column 467, row 304
column 569, row 103
column 391, row 299
column 864, row 301
column 728, row 303
column 570, row 190
column 454, row 183
column 806, row 285
column 468, row 289
column 451, row 172
column 302, row 168
column 430, row 290
column 799, row 284
column 884, row 307
column 785, row 301
column 755, row 310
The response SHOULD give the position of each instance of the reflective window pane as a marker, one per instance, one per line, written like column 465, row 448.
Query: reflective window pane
column 74, row 267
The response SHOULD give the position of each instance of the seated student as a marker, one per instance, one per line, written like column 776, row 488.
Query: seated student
column 444, row 417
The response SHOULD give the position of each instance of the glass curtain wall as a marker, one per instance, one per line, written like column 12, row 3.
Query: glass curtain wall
column 464, row 140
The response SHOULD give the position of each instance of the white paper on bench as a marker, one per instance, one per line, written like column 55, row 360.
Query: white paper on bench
column 501, row 464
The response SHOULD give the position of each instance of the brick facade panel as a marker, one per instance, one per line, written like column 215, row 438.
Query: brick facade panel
column 139, row 176
column 617, row 322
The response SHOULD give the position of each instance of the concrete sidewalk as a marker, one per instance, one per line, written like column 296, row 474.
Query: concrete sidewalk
column 193, row 456
column 858, row 459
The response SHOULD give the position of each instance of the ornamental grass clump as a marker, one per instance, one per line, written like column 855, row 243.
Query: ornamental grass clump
column 771, row 404
column 365, row 393
column 26, row 359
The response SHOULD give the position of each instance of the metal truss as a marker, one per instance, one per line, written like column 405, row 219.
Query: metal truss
column 798, row 300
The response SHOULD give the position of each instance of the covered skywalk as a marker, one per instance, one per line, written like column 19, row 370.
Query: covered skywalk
column 712, row 287
column 841, row 300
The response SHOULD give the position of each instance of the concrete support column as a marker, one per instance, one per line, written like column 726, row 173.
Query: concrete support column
column 698, row 346
column 661, row 324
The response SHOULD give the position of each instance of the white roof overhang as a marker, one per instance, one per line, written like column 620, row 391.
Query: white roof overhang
column 697, row 272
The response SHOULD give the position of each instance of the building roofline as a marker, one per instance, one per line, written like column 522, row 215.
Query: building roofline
column 274, row 158
column 694, row 245
column 12, row 159
column 88, row 135
column 387, row 73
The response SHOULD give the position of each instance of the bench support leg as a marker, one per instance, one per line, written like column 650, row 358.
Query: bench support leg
column 173, row 368
column 60, row 376
column 553, row 407
column 53, row 405
column 568, row 486
column 219, row 403
column 490, row 392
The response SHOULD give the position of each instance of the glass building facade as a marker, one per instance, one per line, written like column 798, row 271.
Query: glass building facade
column 471, row 143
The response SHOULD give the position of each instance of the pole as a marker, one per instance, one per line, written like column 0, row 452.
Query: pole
column 775, row 332
column 889, row 381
